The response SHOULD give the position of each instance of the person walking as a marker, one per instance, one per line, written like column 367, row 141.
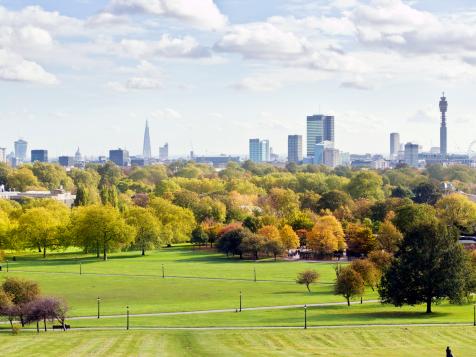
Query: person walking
column 448, row 352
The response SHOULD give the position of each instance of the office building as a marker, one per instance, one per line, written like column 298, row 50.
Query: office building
column 66, row 161
column 331, row 157
column 39, row 155
column 120, row 157
column 137, row 161
column 411, row 154
column 216, row 161
column 259, row 150
column 146, row 149
column 443, row 129
column 164, row 152
column 21, row 147
column 319, row 128
column 3, row 155
column 394, row 145
column 295, row 148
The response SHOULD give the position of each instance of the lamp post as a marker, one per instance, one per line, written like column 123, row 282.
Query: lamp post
column 7, row 265
column 474, row 315
column 80, row 268
column 305, row 316
column 163, row 271
column 127, row 314
column 99, row 306
column 241, row 298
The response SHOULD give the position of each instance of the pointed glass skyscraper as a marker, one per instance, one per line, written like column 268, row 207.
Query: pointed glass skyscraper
column 147, row 152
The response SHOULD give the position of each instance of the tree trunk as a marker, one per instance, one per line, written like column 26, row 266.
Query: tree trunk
column 143, row 251
column 275, row 257
column 39, row 249
column 44, row 323
column 428, row 305
column 361, row 300
column 97, row 249
column 37, row 326
column 308, row 289
column 105, row 253
column 44, row 252
column 348, row 301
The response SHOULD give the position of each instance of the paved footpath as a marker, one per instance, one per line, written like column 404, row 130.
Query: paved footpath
column 220, row 310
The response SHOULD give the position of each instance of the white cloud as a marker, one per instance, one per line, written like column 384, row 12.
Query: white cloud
column 167, row 46
column 201, row 13
column 166, row 114
column 15, row 68
column 262, row 40
column 143, row 83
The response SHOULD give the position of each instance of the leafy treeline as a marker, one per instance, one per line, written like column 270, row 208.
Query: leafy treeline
column 272, row 210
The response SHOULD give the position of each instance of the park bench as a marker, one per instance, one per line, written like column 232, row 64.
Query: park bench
column 60, row 327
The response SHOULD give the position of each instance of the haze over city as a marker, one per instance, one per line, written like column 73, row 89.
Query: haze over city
column 209, row 75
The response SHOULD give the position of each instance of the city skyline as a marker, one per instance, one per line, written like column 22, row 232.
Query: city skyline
column 98, row 70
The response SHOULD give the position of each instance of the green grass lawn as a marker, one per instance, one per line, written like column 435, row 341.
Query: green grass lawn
column 371, row 342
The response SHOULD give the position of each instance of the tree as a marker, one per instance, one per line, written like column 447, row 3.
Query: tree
column 230, row 241
column 273, row 247
column 457, row 210
column 381, row 259
column 22, row 179
column 326, row 236
column 349, row 284
column 199, row 236
column 360, row 239
column 388, row 237
column 100, row 228
column 40, row 229
column 333, row 200
column 366, row 184
column 410, row 216
column 21, row 292
column 253, row 244
column 147, row 228
column 426, row 192
column 429, row 266
column 289, row 238
column 307, row 277
column 177, row 222
column 270, row 232
column 52, row 176
column 5, row 228
column 368, row 271
column 283, row 202
column 253, row 223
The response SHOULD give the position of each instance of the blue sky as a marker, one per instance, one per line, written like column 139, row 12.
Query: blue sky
column 209, row 75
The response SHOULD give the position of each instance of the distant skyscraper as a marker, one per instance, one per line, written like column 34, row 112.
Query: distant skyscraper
column 164, row 152
column 39, row 155
column 319, row 128
column 21, row 147
column 411, row 154
column 147, row 151
column 120, row 157
column 443, row 129
column 66, row 161
column 394, row 145
column 295, row 148
column 3, row 155
column 259, row 150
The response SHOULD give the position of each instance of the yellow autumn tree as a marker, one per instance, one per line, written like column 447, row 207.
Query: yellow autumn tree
column 289, row 238
column 270, row 232
column 327, row 236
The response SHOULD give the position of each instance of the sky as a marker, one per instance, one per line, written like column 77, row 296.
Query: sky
column 210, row 74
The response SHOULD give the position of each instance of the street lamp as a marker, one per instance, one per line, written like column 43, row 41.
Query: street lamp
column 474, row 315
column 305, row 316
column 99, row 305
column 163, row 271
column 80, row 268
column 241, row 298
column 127, row 307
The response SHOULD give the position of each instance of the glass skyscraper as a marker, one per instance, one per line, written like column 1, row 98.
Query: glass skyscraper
column 21, row 147
column 259, row 150
column 319, row 128
column 295, row 148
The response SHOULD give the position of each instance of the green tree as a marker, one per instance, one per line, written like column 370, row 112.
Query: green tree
column 426, row 192
column 349, row 284
column 52, row 176
column 21, row 292
column 457, row 210
column 199, row 236
column 273, row 247
column 307, row 277
column 230, row 241
column 366, row 184
column 333, row 200
column 410, row 216
column 147, row 228
column 368, row 271
column 252, row 244
column 100, row 228
column 388, row 237
column 23, row 179
column 429, row 266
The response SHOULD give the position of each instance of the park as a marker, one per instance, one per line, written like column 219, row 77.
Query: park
column 190, row 298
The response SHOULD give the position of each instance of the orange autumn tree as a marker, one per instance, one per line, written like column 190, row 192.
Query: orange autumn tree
column 327, row 236
column 289, row 238
column 270, row 232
